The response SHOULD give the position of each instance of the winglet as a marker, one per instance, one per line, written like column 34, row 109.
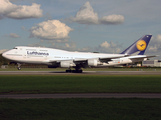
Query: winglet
column 139, row 46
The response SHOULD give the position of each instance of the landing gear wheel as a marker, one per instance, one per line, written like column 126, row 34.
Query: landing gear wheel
column 74, row 71
column 68, row 71
column 18, row 68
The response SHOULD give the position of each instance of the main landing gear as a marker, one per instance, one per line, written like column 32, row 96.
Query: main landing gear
column 19, row 66
column 74, row 71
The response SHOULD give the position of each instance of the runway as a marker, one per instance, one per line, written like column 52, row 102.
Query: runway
column 84, row 73
column 84, row 95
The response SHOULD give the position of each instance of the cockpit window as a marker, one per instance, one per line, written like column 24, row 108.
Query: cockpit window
column 15, row 48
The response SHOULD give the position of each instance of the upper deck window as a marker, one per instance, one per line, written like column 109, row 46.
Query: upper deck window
column 15, row 48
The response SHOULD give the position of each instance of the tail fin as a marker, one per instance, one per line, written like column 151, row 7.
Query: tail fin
column 139, row 46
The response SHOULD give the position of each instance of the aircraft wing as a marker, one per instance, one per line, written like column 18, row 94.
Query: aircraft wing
column 99, row 58
column 141, row 56
column 82, row 60
column 106, row 59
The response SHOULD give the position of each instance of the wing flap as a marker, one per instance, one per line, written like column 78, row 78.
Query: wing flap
column 106, row 59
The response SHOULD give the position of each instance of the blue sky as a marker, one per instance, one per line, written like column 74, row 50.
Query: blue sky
column 107, row 26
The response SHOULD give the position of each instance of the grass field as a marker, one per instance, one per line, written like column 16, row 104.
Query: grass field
column 80, row 109
column 80, row 84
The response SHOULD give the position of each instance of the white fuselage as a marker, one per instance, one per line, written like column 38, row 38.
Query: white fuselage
column 38, row 55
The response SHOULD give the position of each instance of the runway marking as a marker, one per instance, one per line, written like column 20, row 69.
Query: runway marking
column 83, row 95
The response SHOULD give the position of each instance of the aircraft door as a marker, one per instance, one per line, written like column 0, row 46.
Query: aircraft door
column 24, row 54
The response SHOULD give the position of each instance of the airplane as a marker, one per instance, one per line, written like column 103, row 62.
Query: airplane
column 60, row 58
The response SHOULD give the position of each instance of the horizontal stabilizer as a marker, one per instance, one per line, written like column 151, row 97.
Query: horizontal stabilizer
column 142, row 56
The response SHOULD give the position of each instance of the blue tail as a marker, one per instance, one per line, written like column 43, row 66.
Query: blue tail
column 138, row 46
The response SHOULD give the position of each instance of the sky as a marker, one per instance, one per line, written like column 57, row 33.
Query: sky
column 105, row 26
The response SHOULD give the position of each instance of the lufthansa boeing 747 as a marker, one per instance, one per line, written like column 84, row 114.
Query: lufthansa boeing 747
column 66, row 59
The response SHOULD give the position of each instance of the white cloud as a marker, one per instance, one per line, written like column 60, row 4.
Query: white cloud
column 14, row 35
column 109, row 47
column 71, row 46
column 86, row 15
column 105, row 44
column 153, row 48
column 16, row 0
column 14, row 11
column 104, row 47
column 158, row 38
column 67, row 45
column 155, row 45
column 117, row 50
column 113, row 44
column 50, row 30
column 86, row 49
column 112, row 19
column 35, row 45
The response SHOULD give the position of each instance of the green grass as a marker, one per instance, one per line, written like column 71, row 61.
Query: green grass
column 80, row 109
column 80, row 84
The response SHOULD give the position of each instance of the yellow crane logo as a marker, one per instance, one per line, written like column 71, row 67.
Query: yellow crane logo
column 141, row 45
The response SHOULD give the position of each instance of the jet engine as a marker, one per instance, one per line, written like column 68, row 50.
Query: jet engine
column 66, row 64
column 92, row 62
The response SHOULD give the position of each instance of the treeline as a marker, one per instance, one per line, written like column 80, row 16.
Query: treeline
column 3, row 61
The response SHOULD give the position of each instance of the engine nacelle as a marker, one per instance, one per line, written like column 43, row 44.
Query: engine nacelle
column 92, row 62
column 125, row 60
column 66, row 64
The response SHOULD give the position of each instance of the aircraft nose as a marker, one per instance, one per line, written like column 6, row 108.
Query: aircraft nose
column 4, row 54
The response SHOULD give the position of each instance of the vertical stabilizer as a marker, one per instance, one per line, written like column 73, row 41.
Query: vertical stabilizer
column 139, row 46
